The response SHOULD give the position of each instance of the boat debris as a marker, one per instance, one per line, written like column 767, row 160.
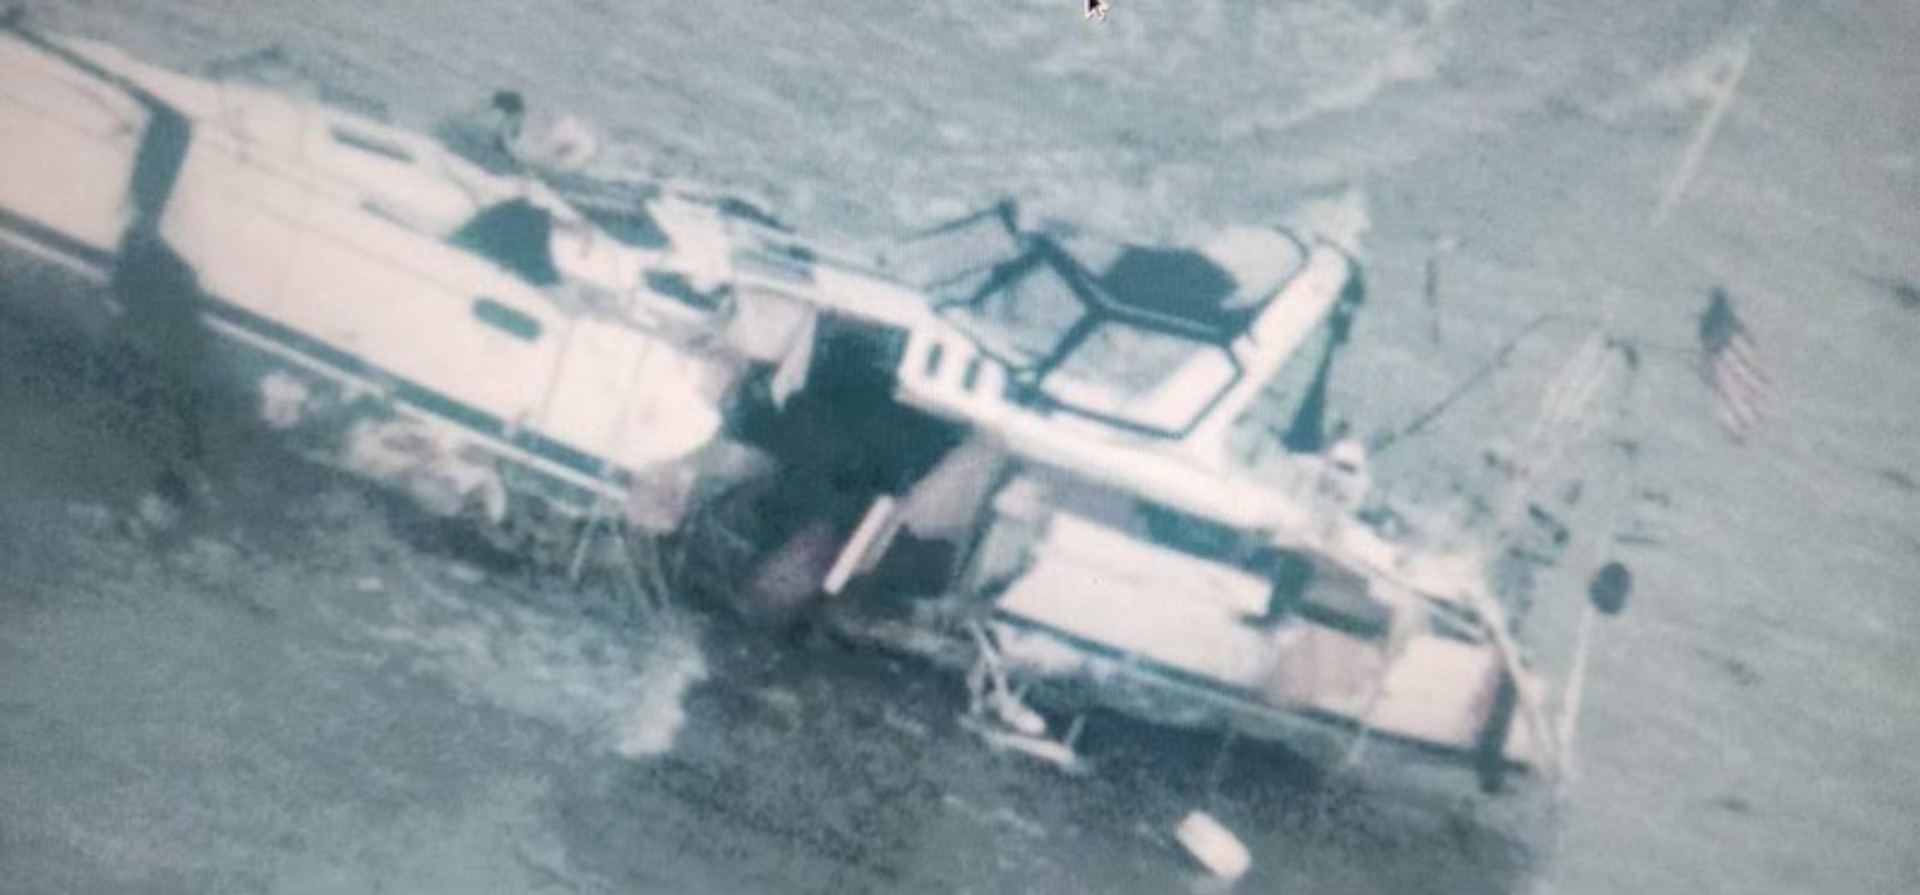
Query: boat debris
column 1214, row 846
column 1074, row 470
column 999, row 715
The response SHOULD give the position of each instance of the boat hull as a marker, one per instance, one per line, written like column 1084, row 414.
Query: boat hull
column 324, row 273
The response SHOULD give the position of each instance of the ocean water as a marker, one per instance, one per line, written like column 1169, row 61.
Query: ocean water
column 294, row 696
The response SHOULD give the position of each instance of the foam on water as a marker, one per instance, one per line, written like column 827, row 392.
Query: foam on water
column 537, row 655
column 624, row 693
column 654, row 720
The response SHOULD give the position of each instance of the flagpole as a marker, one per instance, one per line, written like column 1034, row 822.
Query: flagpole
column 1709, row 124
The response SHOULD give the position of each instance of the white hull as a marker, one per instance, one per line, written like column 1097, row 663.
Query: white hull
column 322, row 248
column 489, row 347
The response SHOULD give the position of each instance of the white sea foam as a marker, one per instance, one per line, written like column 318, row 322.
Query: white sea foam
column 1341, row 218
column 626, row 693
column 621, row 687
column 655, row 718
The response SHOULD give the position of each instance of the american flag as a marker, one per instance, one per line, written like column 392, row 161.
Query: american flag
column 1730, row 364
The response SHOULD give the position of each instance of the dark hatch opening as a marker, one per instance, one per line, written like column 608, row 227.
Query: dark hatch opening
column 515, row 235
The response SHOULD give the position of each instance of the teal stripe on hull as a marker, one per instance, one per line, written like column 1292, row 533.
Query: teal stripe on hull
column 592, row 469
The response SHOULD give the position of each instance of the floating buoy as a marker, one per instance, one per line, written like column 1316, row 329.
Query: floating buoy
column 1216, row 848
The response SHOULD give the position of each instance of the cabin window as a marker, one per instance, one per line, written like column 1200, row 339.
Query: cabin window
column 371, row 144
column 1196, row 535
column 518, row 324
column 970, row 380
column 935, row 355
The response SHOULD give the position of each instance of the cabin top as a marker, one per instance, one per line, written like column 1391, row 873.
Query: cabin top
column 1147, row 340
